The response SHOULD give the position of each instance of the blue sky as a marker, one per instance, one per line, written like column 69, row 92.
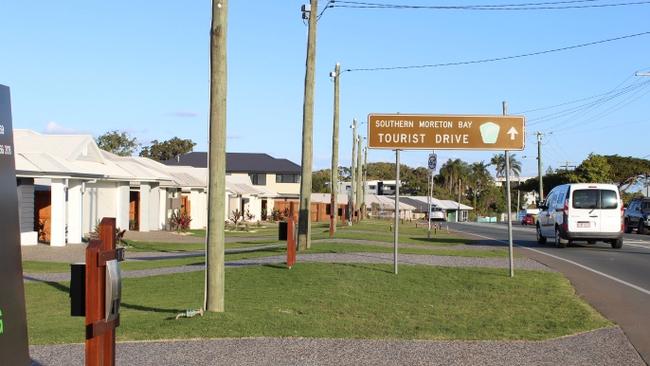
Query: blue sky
column 142, row 66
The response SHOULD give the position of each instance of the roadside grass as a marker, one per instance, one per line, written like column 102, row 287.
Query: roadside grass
column 333, row 301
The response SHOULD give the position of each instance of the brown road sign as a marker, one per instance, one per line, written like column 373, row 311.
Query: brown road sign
column 446, row 132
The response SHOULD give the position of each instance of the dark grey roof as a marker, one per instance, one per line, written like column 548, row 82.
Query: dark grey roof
column 240, row 163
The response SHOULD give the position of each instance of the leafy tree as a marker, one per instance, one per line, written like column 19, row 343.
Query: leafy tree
column 550, row 181
column 165, row 150
column 415, row 181
column 119, row 143
column 320, row 181
column 594, row 169
column 478, row 180
column 626, row 170
column 384, row 171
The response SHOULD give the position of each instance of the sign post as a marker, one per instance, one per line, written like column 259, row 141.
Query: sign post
column 14, row 348
column 447, row 132
column 396, row 231
column 432, row 162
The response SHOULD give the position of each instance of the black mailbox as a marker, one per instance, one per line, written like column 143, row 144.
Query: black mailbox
column 282, row 230
column 78, row 289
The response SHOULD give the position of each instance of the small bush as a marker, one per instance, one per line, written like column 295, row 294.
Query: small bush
column 180, row 222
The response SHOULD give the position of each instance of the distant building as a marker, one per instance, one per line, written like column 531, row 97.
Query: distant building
column 378, row 187
column 281, row 176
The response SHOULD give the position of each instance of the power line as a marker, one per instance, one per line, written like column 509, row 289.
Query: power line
column 495, row 59
column 556, row 5
column 586, row 106
column 577, row 100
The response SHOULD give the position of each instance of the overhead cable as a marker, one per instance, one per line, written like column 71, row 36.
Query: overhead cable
column 495, row 59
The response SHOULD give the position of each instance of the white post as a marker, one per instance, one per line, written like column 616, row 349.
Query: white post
column 429, row 178
column 57, row 213
column 145, row 198
column 162, row 208
column 154, row 201
column 195, row 209
column 122, row 205
column 74, row 211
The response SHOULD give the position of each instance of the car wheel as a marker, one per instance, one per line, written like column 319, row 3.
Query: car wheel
column 641, row 229
column 540, row 238
column 628, row 228
column 559, row 242
column 617, row 243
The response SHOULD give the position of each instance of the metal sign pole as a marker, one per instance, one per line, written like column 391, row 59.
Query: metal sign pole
column 508, row 199
column 429, row 204
column 396, row 231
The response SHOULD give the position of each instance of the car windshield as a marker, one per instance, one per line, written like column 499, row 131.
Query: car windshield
column 595, row 198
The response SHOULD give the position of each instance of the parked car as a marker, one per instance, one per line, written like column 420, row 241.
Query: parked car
column 637, row 216
column 584, row 211
column 528, row 219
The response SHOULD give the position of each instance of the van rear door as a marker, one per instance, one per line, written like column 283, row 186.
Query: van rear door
column 610, row 211
column 584, row 212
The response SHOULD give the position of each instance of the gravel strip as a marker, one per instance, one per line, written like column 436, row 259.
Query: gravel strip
column 408, row 259
column 607, row 346
column 413, row 259
column 404, row 245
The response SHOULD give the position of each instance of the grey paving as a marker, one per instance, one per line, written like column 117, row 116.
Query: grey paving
column 600, row 347
column 424, row 245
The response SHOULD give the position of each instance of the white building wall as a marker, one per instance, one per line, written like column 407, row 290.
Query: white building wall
column 58, row 214
column 162, row 208
column 281, row 188
column 74, row 211
column 98, row 202
column 255, row 207
column 197, row 209
column 154, row 208
column 145, row 198
column 122, row 205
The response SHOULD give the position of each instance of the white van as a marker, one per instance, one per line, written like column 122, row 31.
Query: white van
column 581, row 211
column 437, row 214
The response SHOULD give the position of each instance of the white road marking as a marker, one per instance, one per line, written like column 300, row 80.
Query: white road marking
column 638, row 288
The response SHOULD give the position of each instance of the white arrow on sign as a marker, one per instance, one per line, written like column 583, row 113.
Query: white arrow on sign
column 512, row 132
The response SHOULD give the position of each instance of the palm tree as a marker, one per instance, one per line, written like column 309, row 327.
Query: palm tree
column 453, row 171
column 499, row 162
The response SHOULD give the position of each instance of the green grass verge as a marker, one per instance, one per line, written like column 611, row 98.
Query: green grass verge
column 334, row 301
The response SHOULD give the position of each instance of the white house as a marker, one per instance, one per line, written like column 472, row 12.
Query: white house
column 66, row 184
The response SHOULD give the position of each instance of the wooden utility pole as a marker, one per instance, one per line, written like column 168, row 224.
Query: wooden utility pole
column 539, row 166
column 304, row 224
column 353, row 170
column 335, row 152
column 359, row 180
column 214, row 276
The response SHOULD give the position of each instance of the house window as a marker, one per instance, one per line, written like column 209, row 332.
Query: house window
column 287, row 178
column 258, row 179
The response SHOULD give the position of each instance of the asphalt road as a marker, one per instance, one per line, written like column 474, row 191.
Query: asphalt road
column 615, row 281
